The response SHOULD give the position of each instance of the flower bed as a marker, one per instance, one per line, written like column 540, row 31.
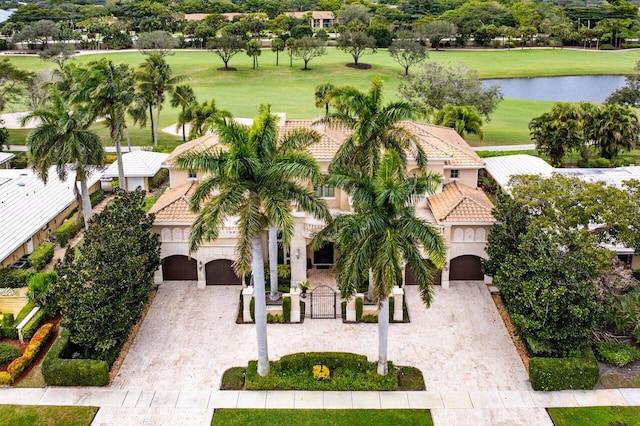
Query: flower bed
column 31, row 351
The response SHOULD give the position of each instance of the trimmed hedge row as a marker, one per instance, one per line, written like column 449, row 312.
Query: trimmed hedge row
column 67, row 230
column 72, row 372
column 96, row 197
column 15, row 369
column 30, row 328
column 617, row 354
column 552, row 374
column 41, row 256
column 14, row 278
column 8, row 353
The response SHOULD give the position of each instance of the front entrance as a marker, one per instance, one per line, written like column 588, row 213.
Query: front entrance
column 179, row 268
column 324, row 256
column 220, row 272
column 466, row 268
column 323, row 302
column 410, row 279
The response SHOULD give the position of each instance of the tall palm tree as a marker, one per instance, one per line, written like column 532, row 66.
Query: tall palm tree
column 182, row 96
column 380, row 234
column 463, row 119
column 107, row 90
column 373, row 127
column 614, row 128
column 156, row 77
column 322, row 96
column 257, row 182
column 201, row 117
column 63, row 140
column 141, row 108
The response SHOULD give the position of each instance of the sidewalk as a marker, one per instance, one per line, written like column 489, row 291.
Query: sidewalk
column 526, row 147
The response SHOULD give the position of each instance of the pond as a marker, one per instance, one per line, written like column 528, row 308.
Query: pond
column 590, row 88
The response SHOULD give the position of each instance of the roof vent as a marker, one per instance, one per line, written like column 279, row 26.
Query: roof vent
column 20, row 183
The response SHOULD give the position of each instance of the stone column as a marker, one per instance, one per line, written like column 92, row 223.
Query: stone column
column 295, row 305
column 202, row 279
column 398, row 300
column 157, row 276
column 446, row 231
column 351, row 309
column 247, row 295
column 298, row 251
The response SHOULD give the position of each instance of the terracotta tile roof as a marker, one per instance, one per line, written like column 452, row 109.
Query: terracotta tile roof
column 460, row 203
column 202, row 143
column 173, row 205
column 330, row 140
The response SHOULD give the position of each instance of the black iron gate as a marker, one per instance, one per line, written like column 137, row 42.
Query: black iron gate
column 323, row 302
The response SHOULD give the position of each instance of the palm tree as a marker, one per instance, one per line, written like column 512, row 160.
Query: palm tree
column 373, row 127
column 201, row 117
column 614, row 128
column 323, row 96
column 381, row 233
column 182, row 96
column 107, row 90
column 156, row 77
column 62, row 140
column 254, row 178
column 464, row 119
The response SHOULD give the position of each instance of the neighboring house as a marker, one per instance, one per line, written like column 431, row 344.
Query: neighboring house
column 31, row 210
column 318, row 19
column 460, row 210
column 5, row 159
column 139, row 168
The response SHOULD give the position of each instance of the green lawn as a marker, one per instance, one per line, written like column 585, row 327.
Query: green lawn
column 231, row 417
column 30, row 415
column 595, row 416
column 291, row 90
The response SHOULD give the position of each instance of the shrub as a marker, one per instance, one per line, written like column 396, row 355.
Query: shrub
column 359, row 308
column 552, row 374
column 617, row 354
column 20, row 364
column 252, row 309
column 286, row 309
column 410, row 379
column 41, row 256
column 66, row 231
column 275, row 319
column 370, row 318
column 233, row 379
column 8, row 353
column 40, row 293
column 14, row 278
column 601, row 163
column 606, row 46
column 96, row 197
column 72, row 372
column 8, row 329
column 33, row 324
column 5, row 378
column 159, row 179
column 497, row 44
column 636, row 274
column 320, row 372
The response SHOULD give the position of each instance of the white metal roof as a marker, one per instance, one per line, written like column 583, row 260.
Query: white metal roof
column 612, row 176
column 5, row 156
column 504, row 167
column 27, row 204
column 138, row 164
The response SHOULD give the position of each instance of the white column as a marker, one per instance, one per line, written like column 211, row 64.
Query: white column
column 202, row 278
column 247, row 295
column 157, row 276
column 351, row 309
column 398, row 300
column 295, row 305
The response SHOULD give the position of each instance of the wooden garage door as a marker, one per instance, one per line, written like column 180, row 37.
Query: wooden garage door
column 466, row 268
column 179, row 268
column 410, row 279
column 220, row 272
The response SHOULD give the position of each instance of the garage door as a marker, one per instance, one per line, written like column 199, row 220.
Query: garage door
column 466, row 268
column 220, row 272
column 410, row 279
column 179, row 268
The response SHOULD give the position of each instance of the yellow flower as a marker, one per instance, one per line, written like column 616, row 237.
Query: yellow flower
column 320, row 372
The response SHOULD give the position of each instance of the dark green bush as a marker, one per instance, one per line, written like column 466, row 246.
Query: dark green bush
column 233, row 379
column 369, row 318
column 41, row 256
column 14, row 278
column 617, row 354
column 8, row 353
column 158, row 179
column 72, row 372
column 8, row 329
column 552, row 374
column 636, row 274
column 410, row 379
column 286, row 309
column 252, row 309
column 275, row 319
column 359, row 308
column 66, row 231
column 606, row 46
column 96, row 198
column 33, row 324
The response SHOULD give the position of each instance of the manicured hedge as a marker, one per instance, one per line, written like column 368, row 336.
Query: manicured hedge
column 14, row 278
column 158, row 179
column 286, row 309
column 41, row 256
column 8, row 353
column 72, row 372
column 33, row 324
column 8, row 329
column 617, row 354
column 67, row 230
column 96, row 197
column 359, row 309
column 18, row 365
column 552, row 374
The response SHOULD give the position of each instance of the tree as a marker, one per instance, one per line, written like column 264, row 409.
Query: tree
column 105, row 282
column 323, row 95
column 462, row 118
column 63, row 140
column 308, row 48
column 629, row 94
column 435, row 86
column 201, row 117
column 435, row 31
column 407, row 52
column 160, row 42
column 350, row 13
column 253, row 179
column 558, row 131
column 253, row 49
column 13, row 82
column 107, row 90
column 290, row 45
column 356, row 43
column 381, row 233
column 58, row 53
column 40, row 33
column 182, row 97
column 615, row 128
column 227, row 46
column 156, row 77
column 277, row 45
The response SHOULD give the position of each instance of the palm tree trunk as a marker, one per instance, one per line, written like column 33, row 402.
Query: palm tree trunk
column 116, row 141
column 151, row 119
column 370, row 289
column 86, row 201
column 257, row 265
column 273, row 260
column 155, row 135
column 126, row 130
column 383, row 337
column 184, row 134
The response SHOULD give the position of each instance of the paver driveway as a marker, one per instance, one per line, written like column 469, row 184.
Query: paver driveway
column 189, row 338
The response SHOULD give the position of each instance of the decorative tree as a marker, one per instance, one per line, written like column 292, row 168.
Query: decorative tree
column 226, row 47
column 407, row 52
column 277, row 45
column 356, row 43
column 308, row 48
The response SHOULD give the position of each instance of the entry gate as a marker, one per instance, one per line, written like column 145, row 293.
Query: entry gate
column 323, row 302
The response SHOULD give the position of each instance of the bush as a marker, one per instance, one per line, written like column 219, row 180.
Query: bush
column 275, row 319
column 321, row 372
column 33, row 324
column 20, row 364
column 8, row 329
column 552, row 374
column 8, row 353
column 497, row 44
column 370, row 318
column 636, row 274
column 617, row 354
column 286, row 309
column 14, row 278
column 359, row 308
column 233, row 379
column 66, row 231
column 606, row 46
column 410, row 379
column 159, row 179
column 41, row 256
column 96, row 198
column 72, row 372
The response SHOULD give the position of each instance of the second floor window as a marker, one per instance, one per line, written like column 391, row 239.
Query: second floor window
column 325, row 191
column 455, row 173
column 193, row 174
